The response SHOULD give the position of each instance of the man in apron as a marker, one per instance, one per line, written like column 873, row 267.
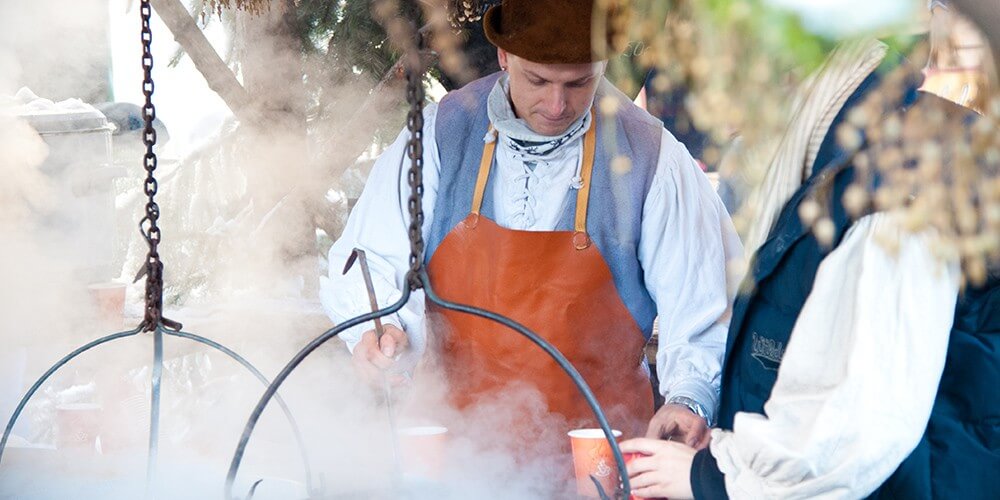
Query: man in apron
column 580, row 224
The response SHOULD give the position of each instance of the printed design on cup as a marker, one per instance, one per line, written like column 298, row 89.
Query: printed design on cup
column 593, row 459
column 598, row 456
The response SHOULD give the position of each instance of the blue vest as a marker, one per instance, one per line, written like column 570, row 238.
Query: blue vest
column 614, row 214
column 959, row 454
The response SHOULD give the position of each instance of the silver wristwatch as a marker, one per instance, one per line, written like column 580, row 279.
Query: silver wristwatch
column 692, row 405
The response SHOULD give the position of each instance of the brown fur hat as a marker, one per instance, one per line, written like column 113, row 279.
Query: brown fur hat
column 547, row 31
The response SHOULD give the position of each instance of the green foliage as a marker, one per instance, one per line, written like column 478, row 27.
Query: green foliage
column 349, row 33
column 345, row 31
column 758, row 26
column 776, row 30
column 353, row 39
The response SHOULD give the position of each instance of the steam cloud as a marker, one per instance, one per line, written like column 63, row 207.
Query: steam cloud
column 241, row 250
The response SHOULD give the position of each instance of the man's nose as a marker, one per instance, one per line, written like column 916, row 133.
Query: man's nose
column 555, row 104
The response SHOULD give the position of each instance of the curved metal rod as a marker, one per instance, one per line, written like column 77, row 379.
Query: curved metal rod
column 554, row 353
column 600, row 488
column 433, row 297
column 260, row 376
column 253, row 489
column 48, row 373
column 287, row 370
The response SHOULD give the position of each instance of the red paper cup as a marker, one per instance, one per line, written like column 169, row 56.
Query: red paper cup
column 109, row 298
column 592, row 456
column 77, row 426
column 423, row 451
column 629, row 457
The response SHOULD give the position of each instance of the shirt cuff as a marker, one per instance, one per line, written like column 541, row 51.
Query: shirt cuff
column 696, row 389
column 346, row 300
column 707, row 481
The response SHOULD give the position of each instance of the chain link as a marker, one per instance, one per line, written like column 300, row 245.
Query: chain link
column 153, row 268
column 415, row 150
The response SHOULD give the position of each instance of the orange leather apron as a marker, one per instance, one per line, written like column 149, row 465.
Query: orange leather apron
column 555, row 283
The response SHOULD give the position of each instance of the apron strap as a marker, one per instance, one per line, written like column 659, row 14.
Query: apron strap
column 580, row 237
column 484, row 172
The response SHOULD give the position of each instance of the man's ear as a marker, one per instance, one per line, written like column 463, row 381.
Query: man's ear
column 502, row 58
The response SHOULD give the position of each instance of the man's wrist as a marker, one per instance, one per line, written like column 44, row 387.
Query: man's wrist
column 693, row 405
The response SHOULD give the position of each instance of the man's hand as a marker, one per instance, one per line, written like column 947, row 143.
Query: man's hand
column 372, row 358
column 664, row 470
column 678, row 422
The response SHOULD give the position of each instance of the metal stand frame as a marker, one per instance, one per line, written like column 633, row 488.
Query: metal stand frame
column 154, row 322
column 436, row 299
column 154, row 422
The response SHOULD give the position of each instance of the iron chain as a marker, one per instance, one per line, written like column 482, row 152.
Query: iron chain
column 415, row 150
column 153, row 268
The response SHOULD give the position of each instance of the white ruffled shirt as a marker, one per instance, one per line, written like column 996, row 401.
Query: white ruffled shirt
column 858, row 377
column 687, row 240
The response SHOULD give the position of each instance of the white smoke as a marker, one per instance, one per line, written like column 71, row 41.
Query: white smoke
column 238, row 269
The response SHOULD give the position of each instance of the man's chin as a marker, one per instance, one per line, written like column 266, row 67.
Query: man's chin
column 549, row 130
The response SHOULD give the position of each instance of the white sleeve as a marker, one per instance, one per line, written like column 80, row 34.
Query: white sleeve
column 859, row 374
column 687, row 244
column 379, row 225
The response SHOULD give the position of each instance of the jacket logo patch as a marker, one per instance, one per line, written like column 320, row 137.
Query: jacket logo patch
column 767, row 352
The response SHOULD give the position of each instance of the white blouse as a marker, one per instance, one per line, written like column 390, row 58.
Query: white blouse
column 859, row 375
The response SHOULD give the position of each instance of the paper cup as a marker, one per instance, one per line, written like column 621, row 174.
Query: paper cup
column 422, row 452
column 77, row 426
column 592, row 456
column 629, row 457
column 109, row 298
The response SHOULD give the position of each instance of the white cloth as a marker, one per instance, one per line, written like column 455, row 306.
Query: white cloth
column 686, row 241
column 859, row 375
column 819, row 101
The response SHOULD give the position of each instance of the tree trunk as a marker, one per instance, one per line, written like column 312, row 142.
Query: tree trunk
column 190, row 37
column 272, row 67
